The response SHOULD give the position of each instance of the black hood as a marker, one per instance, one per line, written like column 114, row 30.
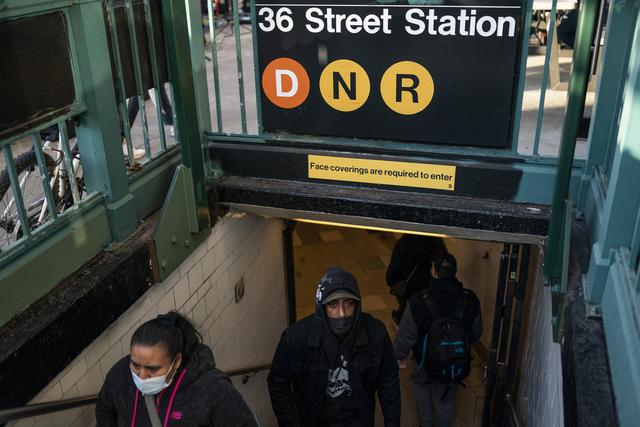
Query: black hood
column 336, row 279
column 200, row 362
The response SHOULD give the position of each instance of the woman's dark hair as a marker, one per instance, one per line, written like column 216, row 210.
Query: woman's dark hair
column 173, row 331
column 445, row 265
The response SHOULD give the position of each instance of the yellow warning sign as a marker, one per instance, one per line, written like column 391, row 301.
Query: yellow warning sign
column 404, row 174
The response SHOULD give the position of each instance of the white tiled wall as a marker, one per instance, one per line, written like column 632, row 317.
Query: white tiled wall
column 538, row 398
column 241, row 335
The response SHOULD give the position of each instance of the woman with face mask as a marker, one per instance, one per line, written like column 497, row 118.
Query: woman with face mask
column 169, row 379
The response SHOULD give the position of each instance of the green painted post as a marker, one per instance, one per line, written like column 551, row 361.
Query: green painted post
column 46, row 177
column 573, row 115
column 545, row 77
column 157, row 86
column 609, row 94
column 196, row 36
column 16, row 191
column 137, row 72
column 258, row 82
column 117, row 59
column 98, row 133
column 184, row 91
column 236, row 32
column 623, row 198
column 68, row 162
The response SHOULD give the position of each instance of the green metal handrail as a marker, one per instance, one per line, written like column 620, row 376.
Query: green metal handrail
column 575, row 106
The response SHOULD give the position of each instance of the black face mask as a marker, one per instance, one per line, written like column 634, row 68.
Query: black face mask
column 340, row 326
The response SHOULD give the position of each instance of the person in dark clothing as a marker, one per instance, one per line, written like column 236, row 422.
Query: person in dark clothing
column 171, row 374
column 567, row 28
column 447, row 293
column 328, row 366
column 133, row 107
column 411, row 262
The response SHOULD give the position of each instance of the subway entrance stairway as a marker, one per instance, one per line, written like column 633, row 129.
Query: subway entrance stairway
column 109, row 218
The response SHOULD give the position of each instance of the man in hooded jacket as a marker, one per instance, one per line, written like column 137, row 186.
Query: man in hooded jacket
column 328, row 366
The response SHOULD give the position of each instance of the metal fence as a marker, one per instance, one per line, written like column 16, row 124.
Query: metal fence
column 133, row 60
column 38, row 185
column 41, row 168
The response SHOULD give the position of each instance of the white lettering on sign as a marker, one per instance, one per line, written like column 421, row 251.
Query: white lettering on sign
column 330, row 22
column 463, row 25
column 294, row 83
column 466, row 22
column 280, row 19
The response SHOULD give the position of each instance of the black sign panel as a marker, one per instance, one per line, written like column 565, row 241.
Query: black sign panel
column 403, row 70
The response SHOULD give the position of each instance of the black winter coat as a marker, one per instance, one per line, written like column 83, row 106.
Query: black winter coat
column 299, row 373
column 413, row 253
column 205, row 397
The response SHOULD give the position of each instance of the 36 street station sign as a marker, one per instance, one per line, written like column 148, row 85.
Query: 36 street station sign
column 405, row 70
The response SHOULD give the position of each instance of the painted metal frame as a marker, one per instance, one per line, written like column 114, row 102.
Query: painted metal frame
column 115, row 200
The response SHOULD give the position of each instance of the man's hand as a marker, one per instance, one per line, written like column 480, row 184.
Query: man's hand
column 403, row 363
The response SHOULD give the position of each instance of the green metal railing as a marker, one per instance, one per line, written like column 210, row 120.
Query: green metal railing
column 575, row 107
column 71, row 197
column 156, row 92
column 68, row 160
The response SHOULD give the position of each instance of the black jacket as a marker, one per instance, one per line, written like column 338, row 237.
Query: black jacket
column 413, row 252
column 205, row 397
column 298, row 378
column 416, row 321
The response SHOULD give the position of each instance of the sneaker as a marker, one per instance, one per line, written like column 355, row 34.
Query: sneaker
column 138, row 153
column 172, row 131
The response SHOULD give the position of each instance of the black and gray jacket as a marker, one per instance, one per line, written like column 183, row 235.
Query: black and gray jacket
column 300, row 382
column 199, row 395
column 416, row 321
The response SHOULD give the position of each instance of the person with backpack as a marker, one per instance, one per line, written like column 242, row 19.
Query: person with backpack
column 439, row 325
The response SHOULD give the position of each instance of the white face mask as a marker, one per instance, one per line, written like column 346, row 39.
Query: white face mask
column 153, row 385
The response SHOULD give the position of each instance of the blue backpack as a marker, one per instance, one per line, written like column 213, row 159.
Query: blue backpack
column 446, row 351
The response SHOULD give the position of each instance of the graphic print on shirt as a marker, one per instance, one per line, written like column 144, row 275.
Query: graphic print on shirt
column 339, row 380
